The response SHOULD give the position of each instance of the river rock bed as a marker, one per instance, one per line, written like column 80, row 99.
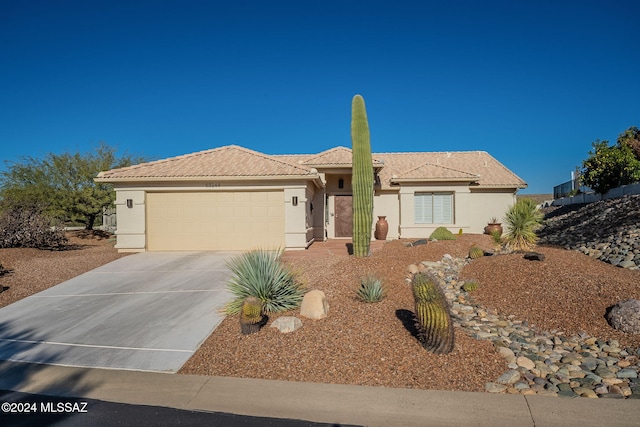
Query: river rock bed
column 540, row 362
column 608, row 230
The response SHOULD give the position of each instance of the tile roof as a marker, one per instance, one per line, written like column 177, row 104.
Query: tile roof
column 227, row 161
column 478, row 166
column 334, row 157
column 233, row 161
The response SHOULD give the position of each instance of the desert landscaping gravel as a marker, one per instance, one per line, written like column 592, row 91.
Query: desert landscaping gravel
column 371, row 344
column 34, row 270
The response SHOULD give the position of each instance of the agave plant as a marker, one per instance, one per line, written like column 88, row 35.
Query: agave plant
column 523, row 218
column 261, row 274
column 371, row 289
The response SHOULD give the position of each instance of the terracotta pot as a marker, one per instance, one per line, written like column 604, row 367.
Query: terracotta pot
column 382, row 228
column 490, row 228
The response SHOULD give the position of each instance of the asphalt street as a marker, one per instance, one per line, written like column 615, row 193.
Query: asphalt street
column 23, row 409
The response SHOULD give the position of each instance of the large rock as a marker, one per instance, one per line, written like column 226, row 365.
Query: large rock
column 314, row 305
column 286, row 324
column 625, row 316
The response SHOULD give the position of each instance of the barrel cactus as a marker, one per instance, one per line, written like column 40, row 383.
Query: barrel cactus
column 362, row 181
column 470, row 286
column 434, row 323
column 251, row 315
column 475, row 252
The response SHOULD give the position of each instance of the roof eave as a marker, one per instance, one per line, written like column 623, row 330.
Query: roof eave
column 310, row 177
column 418, row 180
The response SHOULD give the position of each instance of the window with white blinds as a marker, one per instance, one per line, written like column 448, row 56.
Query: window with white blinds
column 433, row 208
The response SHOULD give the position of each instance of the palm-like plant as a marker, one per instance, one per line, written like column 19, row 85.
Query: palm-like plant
column 261, row 274
column 371, row 289
column 522, row 219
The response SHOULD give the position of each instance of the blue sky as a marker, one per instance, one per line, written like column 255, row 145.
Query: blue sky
column 533, row 83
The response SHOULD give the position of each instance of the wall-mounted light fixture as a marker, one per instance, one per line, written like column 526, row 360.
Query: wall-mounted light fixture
column 129, row 203
column 340, row 183
column 294, row 200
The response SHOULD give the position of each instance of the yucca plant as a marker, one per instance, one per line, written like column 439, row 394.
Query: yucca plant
column 371, row 289
column 522, row 219
column 261, row 274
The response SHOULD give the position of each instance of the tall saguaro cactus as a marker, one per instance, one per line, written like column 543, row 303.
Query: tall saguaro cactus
column 362, row 178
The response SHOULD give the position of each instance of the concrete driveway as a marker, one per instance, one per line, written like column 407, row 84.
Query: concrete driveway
column 148, row 311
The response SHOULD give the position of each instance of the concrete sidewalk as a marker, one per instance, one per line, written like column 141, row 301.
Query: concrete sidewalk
column 328, row 403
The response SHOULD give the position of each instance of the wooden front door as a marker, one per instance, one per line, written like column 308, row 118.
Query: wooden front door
column 343, row 216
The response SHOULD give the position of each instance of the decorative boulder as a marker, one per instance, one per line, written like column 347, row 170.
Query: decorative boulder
column 625, row 316
column 286, row 324
column 314, row 305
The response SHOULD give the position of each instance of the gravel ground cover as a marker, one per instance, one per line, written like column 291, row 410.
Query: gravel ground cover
column 371, row 344
column 34, row 270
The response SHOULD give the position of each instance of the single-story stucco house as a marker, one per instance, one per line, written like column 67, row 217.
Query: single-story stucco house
column 233, row 198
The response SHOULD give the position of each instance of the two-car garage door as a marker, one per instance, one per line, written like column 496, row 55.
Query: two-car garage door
column 215, row 220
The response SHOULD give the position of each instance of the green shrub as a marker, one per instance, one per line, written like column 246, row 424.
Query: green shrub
column 27, row 227
column 522, row 219
column 371, row 289
column 261, row 274
column 442, row 233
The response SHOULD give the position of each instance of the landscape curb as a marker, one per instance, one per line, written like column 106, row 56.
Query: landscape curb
column 328, row 403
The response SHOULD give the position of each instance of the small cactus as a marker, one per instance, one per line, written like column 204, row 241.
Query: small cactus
column 475, row 252
column 432, row 314
column 470, row 286
column 251, row 315
column 370, row 290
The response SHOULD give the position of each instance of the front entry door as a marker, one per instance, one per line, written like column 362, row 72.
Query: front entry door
column 343, row 216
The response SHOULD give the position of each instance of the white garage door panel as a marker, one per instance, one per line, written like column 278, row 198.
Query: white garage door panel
column 215, row 220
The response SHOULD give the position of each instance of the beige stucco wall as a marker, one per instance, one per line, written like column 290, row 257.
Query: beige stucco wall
column 487, row 204
column 130, row 231
column 388, row 204
column 298, row 226
column 472, row 209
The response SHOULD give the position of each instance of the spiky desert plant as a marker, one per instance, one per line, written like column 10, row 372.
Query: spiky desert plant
column 496, row 236
column 251, row 315
column 362, row 181
column 432, row 314
column 370, row 289
column 442, row 233
column 475, row 251
column 260, row 273
column 469, row 286
column 522, row 219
